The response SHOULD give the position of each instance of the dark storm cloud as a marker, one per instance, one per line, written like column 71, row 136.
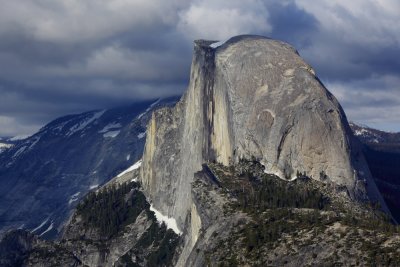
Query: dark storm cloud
column 292, row 24
column 335, row 59
column 60, row 57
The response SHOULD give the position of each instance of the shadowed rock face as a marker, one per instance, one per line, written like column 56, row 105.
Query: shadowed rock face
column 250, row 97
column 382, row 152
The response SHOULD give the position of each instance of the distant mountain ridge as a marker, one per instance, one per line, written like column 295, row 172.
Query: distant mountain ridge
column 382, row 152
column 43, row 177
column 372, row 136
column 4, row 146
column 7, row 142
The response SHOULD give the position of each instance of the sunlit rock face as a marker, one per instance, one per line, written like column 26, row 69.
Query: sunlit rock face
column 250, row 97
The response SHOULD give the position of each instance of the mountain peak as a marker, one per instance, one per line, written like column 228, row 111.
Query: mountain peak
column 253, row 97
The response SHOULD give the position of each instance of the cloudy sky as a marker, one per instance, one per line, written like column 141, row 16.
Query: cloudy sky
column 67, row 56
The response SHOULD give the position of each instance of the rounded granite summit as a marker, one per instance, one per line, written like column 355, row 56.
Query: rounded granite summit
column 251, row 97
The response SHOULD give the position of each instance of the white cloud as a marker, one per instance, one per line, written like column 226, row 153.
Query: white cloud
column 367, row 22
column 218, row 20
column 75, row 21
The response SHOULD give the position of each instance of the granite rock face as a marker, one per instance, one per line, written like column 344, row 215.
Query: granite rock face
column 250, row 97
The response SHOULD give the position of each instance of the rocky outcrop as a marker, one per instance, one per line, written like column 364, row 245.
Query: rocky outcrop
column 21, row 248
column 250, row 218
column 93, row 249
column 250, row 97
column 209, row 218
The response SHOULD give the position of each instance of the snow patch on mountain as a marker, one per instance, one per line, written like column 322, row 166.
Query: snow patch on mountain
column 367, row 134
column 169, row 221
column 278, row 174
column 111, row 130
column 93, row 186
column 48, row 229
column 23, row 147
column 360, row 132
column 83, row 124
column 149, row 108
column 60, row 127
column 218, row 44
column 40, row 225
column 111, row 126
column 18, row 137
column 74, row 198
column 111, row 134
column 19, row 151
column 4, row 147
column 37, row 138
column 131, row 168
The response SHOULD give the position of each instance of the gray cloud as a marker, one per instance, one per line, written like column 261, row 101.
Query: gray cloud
column 60, row 57
column 291, row 23
column 374, row 101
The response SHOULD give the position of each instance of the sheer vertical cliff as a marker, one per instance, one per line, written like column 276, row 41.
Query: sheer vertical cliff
column 250, row 97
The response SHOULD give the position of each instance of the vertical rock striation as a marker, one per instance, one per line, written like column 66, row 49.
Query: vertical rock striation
column 250, row 97
column 179, row 140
